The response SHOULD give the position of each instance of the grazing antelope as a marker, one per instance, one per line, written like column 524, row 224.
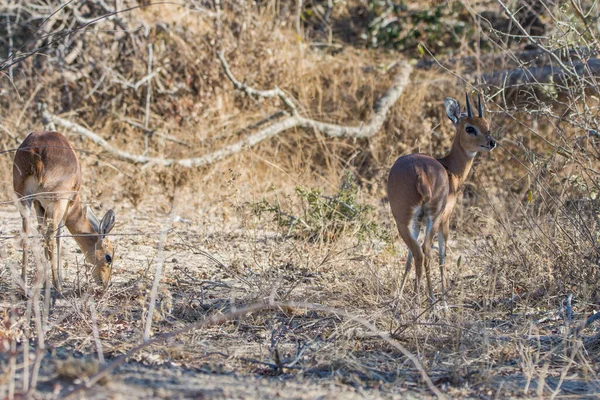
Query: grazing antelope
column 421, row 187
column 47, row 175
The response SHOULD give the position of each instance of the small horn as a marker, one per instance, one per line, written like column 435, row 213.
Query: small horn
column 479, row 105
column 469, row 112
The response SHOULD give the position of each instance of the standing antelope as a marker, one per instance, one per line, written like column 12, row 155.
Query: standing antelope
column 47, row 174
column 421, row 187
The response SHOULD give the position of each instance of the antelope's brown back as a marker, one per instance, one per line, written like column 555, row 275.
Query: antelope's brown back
column 49, row 158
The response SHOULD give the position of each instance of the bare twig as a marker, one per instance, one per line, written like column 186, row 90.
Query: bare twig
column 10, row 44
column 545, row 74
column 136, row 85
column 148, row 97
column 583, row 19
column 95, row 331
column 158, row 273
column 381, row 108
column 276, row 92
column 153, row 132
column 505, row 58
column 299, row 19
column 535, row 41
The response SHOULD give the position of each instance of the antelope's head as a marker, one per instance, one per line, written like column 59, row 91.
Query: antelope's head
column 472, row 133
column 102, row 256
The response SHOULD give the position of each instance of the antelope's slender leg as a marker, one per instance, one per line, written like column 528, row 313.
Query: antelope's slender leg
column 432, row 227
column 443, row 242
column 58, row 248
column 40, row 215
column 54, row 222
column 24, row 241
column 411, row 237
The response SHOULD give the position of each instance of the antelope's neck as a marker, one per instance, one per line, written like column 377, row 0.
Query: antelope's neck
column 80, row 228
column 459, row 163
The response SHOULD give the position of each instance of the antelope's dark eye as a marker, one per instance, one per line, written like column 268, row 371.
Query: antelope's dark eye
column 471, row 131
column 108, row 258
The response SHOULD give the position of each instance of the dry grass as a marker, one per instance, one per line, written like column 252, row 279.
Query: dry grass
column 525, row 234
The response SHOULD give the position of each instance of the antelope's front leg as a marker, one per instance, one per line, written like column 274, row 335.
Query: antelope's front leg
column 51, row 242
column 442, row 242
column 53, row 236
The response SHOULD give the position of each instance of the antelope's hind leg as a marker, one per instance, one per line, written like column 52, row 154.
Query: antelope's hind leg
column 25, row 211
column 442, row 242
column 432, row 228
column 410, row 235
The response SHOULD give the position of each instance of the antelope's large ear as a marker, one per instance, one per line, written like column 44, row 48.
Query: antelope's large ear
column 93, row 220
column 452, row 109
column 108, row 221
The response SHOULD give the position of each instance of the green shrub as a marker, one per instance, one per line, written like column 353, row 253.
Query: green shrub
column 326, row 217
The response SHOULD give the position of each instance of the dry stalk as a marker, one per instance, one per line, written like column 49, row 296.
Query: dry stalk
column 276, row 92
column 158, row 272
column 12, row 360
column 148, row 97
column 40, row 316
column 95, row 331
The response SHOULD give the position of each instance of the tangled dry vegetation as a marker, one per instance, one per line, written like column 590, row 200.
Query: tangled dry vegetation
column 270, row 269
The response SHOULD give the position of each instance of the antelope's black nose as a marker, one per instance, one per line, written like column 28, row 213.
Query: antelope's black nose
column 492, row 143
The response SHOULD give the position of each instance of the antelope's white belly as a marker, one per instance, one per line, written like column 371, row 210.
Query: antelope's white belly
column 35, row 191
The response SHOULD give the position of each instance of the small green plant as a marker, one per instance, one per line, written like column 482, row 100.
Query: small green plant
column 326, row 217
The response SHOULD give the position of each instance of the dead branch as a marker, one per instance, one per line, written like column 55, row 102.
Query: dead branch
column 158, row 272
column 276, row 92
column 380, row 110
column 367, row 130
column 535, row 42
column 568, row 313
column 153, row 132
column 207, row 159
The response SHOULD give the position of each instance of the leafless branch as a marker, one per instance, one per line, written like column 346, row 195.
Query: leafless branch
column 95, row 331
column 253, row 92
column 148, row 96
column 152, row 132
column 158, row 273
column 381, row 109
column 533, row 40
column 367, row 130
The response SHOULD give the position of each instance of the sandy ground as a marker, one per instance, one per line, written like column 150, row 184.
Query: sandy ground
column 247, row 255
column 236, row 359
